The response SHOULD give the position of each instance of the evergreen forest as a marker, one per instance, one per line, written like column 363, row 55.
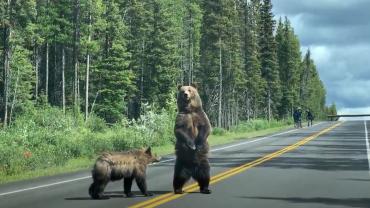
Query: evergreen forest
column 117, row 63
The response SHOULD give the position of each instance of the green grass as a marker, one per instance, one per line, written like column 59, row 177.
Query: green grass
column 84, row 163
column 71, row 166
column 232, row 136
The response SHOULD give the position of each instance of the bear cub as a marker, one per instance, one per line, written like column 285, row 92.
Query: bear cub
column 128, row 165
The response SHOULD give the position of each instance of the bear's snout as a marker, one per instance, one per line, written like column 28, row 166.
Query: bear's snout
column 185, row 96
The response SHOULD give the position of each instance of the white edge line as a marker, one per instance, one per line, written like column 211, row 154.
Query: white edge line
column 163, row 161
column 367, row 145
column 43, row 186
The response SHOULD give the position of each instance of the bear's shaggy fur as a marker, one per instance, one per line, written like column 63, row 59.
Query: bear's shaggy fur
column 128, row 165
column 192, row 128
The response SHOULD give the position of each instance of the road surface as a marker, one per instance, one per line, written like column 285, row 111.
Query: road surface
column 326, row 165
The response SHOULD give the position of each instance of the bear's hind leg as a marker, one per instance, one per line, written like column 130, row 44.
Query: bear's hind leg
column 181, row 176
column 127, row 186
column 97, row 188
column 92, row 192
column 202, row 176
column 141, row 183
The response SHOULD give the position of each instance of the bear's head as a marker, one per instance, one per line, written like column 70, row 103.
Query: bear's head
column 149, row 156
column 188, row 99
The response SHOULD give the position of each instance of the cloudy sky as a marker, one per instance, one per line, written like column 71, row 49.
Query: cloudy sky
column 338, row 34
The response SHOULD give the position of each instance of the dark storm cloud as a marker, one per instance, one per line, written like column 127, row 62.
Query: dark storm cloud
column 338, row 34
column 330, row 22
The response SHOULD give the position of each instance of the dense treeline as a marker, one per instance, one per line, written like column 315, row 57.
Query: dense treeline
column 112, row 57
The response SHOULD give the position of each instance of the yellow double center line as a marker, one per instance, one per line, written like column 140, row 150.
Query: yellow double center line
column 156, row 201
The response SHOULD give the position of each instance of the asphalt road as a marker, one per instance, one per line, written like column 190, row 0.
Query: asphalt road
column 320, row 166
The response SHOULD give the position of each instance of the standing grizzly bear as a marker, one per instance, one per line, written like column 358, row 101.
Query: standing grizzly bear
column 129, row 165
column 192, row 128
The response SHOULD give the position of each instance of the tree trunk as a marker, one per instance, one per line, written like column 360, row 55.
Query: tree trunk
column 87, row 87
column 7, row 54
column 237, row 114
column 142, row 75
column 47, row 72
column 191, row 50
column 93, row 104
column 248, row 105
column 182, row 65
column 87, row 73
column 36, row 59
column 269, row 104
column 63, row 81
column 55, row 82
column 14, row 98
column 229, row 117
column 76, row 52
column 106, row 44
column 255, row 108
column 220, row 87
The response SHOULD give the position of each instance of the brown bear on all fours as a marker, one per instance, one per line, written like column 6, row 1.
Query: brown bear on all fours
column 128, row 165
column 192, row 128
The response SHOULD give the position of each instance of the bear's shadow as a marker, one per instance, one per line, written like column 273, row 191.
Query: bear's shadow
column 117, row 194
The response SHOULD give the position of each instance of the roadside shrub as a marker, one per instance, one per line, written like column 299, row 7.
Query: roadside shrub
column 95, row 123
column 46, row 137
column 258, row 124
column 218, row 131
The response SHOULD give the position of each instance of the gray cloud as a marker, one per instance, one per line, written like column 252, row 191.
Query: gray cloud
column 328, row 21
column 338, row 35
column 352, row 93
column 335, row 10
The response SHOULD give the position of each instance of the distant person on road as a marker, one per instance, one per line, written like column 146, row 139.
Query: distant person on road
column 309, row 117
column 297, row 118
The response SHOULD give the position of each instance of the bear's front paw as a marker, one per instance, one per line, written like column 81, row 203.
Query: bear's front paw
column 101, row 197
column 205, row 191
column 199, row 147
column 191, row 146
column 148, row 194
column 178, row 191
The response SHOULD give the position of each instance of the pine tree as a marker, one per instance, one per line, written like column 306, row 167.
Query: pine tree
column 113, row 79
column 115, row 84
column 163, row 53
column 191, row 41
column 21, row 83
column 252, row 66
column 331, row 110
column 268, row 57
column 138, row 19
column 91, row 20
column 305, row 77
column 209, row 56
column 312, row 91
column 18, row 77
column 7, row 24
column 220, row 57
column 289, row 57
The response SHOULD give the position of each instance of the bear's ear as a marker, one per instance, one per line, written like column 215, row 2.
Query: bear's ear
column 195, row 85
column 148, row 151
column 179, row 87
